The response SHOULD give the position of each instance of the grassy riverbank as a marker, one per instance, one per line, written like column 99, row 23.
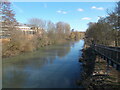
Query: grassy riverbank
column 26, row 43
column 95, row 75
column 27, row 47
column 41, row 52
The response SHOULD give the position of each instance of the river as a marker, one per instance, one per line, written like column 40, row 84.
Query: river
column 54, row 66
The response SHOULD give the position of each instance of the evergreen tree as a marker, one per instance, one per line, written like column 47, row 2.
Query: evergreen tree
column 8, row 20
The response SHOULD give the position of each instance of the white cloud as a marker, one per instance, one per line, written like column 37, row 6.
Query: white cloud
column 62, row 12
column 80, row 9
column 86, row 18
column 97, row 8
column 59, row 11
column 93, row 7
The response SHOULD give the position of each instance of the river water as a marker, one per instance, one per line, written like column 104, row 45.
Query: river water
column 54, row 66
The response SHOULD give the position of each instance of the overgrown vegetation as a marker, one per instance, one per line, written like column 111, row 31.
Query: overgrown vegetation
column 76, row 35
column 46, row 33
column 107, row 30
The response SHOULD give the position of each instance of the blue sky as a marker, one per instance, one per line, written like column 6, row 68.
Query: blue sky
column 77, row 14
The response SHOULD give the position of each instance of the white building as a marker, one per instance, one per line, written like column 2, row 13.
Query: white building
column 26, row 29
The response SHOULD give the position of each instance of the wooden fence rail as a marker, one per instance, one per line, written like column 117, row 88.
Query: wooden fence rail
column 111, row 54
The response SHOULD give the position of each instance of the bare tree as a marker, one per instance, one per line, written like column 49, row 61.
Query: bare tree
column 106, row 30
column 37, row 23
column 114, row 20
column 60, row 27
column 67, row 29
column 50, row 26
column 51, row 30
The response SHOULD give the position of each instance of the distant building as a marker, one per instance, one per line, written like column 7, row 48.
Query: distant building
column 23, row 28
column 4, row 33
column 27, row 29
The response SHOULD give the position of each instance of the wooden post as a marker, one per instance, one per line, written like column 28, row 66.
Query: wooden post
column 118, row 76
column 107, row 67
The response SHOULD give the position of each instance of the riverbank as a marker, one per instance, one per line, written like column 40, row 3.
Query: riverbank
column 96, row 73
column 35, row 53
column 27, row 43
column 14, row 50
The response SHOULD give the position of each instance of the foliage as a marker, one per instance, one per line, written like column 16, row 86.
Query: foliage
column 76, row 35
column 107, row 30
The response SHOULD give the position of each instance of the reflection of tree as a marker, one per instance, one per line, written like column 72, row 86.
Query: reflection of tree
column 18, row 75
column 73, row 44
column 51, row 59
column 14, row 78
column 63, row 51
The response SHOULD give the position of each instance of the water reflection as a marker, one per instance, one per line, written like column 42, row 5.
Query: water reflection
column 52, row 66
